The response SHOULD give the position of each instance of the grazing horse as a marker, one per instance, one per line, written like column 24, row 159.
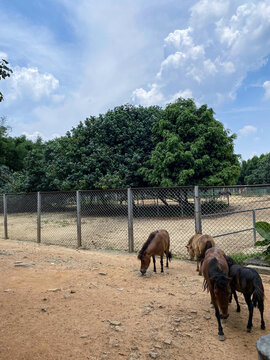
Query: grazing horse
column 248, row 282
column 215, row 271
column 157, row 243
column 197, row 246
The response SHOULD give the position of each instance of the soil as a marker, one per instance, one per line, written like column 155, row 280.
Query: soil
column 61, row 303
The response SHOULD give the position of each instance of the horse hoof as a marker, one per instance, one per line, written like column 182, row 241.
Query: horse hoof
column 263, row 327
column 221, row 337
column 248, row 330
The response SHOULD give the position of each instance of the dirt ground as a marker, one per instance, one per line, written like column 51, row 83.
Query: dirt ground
column 79, row 304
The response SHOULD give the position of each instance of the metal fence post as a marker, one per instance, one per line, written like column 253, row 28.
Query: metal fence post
column 5, row 216
column 79, row 227
column 130, row 221
column 197, row 210
column 254, row 221
column 38, row 217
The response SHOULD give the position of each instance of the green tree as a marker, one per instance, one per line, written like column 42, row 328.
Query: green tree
column 259, row 171
column 5, row 71
column 103, row 152
column 191, row 148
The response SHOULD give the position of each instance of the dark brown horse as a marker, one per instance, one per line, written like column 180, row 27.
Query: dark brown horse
column 157, row 243
column 215, row 271
column 248, row 282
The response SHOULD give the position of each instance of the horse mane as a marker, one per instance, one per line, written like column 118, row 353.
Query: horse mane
column 217, row 275
column 146, row 244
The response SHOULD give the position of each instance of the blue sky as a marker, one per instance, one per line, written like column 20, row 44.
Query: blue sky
column 73, row 59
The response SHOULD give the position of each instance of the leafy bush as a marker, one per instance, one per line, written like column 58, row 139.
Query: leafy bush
column 263, row 228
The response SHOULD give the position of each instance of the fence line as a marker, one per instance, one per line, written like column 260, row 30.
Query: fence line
column 123, row 218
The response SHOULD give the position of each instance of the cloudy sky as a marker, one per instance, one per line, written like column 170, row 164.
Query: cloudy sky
column 72, row 59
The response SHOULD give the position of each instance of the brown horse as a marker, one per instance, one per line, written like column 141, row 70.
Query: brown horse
column 157, row 243
column 215, row 271
column 197, row 245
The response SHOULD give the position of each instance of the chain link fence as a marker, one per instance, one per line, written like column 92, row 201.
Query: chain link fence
column 229, row 215
column 123, row 219
column 164, row 208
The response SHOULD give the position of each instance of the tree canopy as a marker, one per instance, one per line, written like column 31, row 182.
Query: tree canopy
column 256, row 170
column 128, row 146
column 191, row 148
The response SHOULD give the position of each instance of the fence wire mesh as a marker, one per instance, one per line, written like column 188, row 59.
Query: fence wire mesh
column 59, row 218
column 104, row 223
column 22, row 216
column 229, row 214
column 164, row 208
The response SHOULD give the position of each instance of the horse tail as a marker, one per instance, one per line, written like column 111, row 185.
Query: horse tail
column 258, row 293
column 170, row 256
column 208, row 245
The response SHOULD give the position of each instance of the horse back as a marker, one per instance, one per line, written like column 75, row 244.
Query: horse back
column 202, row 242
column 160, row 243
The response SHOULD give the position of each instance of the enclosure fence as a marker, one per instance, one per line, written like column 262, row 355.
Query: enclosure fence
column 122, row 219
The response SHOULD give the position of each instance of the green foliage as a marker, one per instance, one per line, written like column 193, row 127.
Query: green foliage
column 191, row 148
column 103, row 152
column 5, row 71
column 263, row 228
column 239, row 258
column 255, row 170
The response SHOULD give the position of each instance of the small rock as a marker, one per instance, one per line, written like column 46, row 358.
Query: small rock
column 206, row 310
column 118, row 328
column 102, row 273
column 84, row 336
column 194, row 312
column 133, row 356
column 207, row 317
column 153, row 355
column 114, row 323
column 72, row 291
column 8, row 290
column 168, row 341
column 193, row 293
column 189, row 317
column 43, row 309
column 67, row 296
column 134, row 348
column 157, row 346
column 44, row 299
column 172, row 294
column 54, row 290
column 120, row 289
column 25, row 264
column 177, row 320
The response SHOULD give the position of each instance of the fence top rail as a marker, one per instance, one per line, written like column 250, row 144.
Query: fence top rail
column 233, row 186
column 234, row 212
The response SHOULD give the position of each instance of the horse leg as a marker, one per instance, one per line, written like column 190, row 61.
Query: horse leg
column 236, row 300
column 220, row 329
column 167, row 258
column 161, row 263
column 250, row 309
column 154, row 262
column 197, row 265
column 261, row 308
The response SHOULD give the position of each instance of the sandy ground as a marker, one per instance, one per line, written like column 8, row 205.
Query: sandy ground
column 101, row 308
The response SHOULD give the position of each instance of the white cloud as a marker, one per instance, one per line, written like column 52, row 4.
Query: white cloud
column 3, row 55
column 29, row 82
column 266, row 86
column 224, row 40
column 185, row 94
column 248, row 129
column 147, row 98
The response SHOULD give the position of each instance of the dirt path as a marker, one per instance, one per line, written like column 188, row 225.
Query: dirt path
column 168, row 315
